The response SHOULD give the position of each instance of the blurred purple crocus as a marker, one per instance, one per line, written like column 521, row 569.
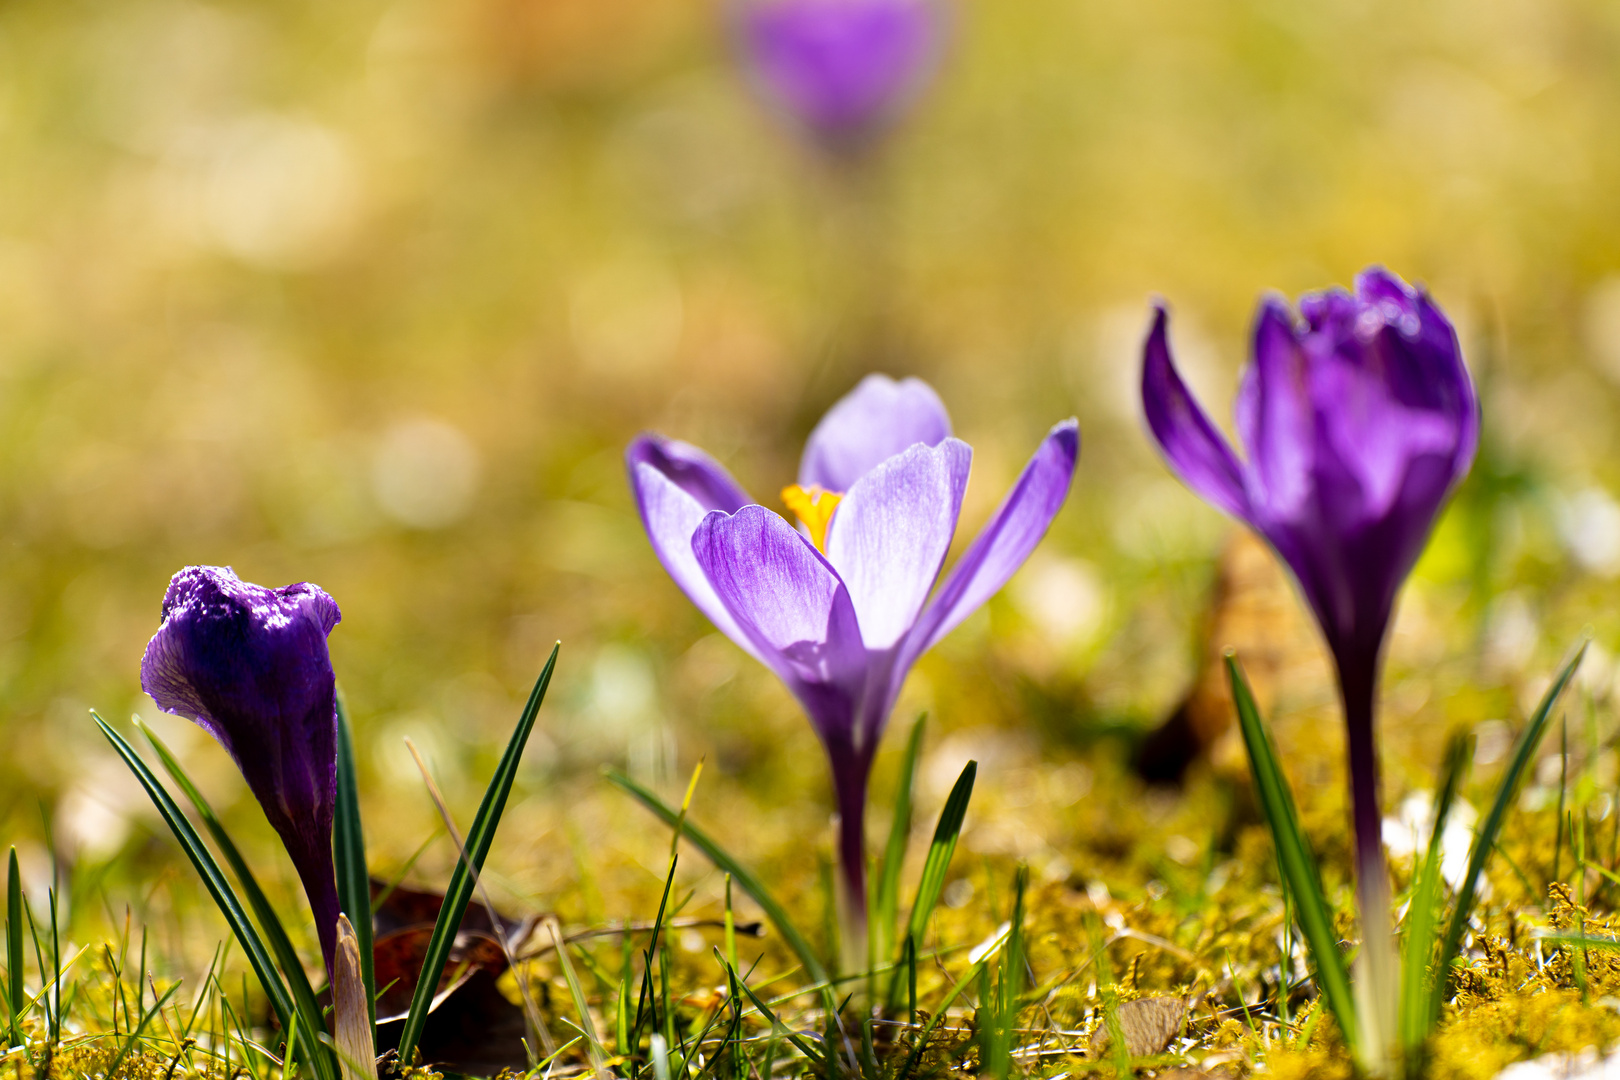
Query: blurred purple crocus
column 250, row 666
column 840, row 608
column 844, row 69
column 1358, row 419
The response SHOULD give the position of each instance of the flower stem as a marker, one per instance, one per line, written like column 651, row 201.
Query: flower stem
column 320, row 887
column 1376, row 965
column 851, row 771
column 1366, row 812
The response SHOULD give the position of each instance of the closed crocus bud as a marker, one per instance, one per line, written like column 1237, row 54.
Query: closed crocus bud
column 1357, row 418
column 250, row 666
column 843, row 69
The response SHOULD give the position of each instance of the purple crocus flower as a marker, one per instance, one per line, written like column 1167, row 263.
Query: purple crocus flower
column 1357, row 419
column 250, row 666
column 840, row 608
column 845, row 69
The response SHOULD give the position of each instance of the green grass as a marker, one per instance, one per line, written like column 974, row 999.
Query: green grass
column 553, row 223
column 1020, row 975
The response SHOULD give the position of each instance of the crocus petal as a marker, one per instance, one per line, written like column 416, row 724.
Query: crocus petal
column 250, row 665
column 843, row 68
column 671, row 515
column 1359, row 419
column 689, row 469
column 1194, row 448
column 1425, row 368
column 1275, row 418
column 791, row 605
column 890, row 534
column 1373, row 436
column 997, row 552
column 1376, row 284
column 1466, row 409
column 1388, row 388
column 869, row 425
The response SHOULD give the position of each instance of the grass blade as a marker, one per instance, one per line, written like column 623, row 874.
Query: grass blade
column 658, row 1047
column 14, row 950
column 731, row 927
column 587, row 1026
column 1295, row 858
column 349, row 857
column 225, row 898
column 647, row 1000
column 460, row 890
column 968, row 979
column 886, row 899
column 1584, row 941
column 543, row 1066
column 811, row 1052
column 54, row 1001
column 140, row 1029
column 1491, row 825
column 41, row 999
column 621, row 1016
column 536, row 1029
column 292, row 1037
column 932, row 882
column 281, row 947
column 1421, row 926
column 723, row 859
column 996, row 1036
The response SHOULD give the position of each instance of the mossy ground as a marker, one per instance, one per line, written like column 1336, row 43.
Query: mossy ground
column 545, row 225
column 1194, row 928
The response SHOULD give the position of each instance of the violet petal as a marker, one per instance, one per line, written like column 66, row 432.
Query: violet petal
column 689, row 469
column 1421, row 362
column 890, row 535
column 845, row 69
column 1001, row 548
column 792, row 607
column 869, row 425
column 1275, row 416
column 675, row 484
column 250, row 665
column 1196, row 451
column 1359, row 419
column 1372, row 435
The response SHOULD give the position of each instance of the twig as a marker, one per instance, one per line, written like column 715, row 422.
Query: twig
column 685, row 922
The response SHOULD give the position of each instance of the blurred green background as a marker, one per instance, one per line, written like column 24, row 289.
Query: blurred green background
column 373, row 295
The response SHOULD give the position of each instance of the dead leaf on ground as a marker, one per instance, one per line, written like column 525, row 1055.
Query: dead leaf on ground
column 1254, row 610
column 471, row 1026
column 1148, row 1024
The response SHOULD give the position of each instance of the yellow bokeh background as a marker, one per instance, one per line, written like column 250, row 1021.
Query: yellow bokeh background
column 374, row 294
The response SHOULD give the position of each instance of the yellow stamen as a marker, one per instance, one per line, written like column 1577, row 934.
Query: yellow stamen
column 814, row 507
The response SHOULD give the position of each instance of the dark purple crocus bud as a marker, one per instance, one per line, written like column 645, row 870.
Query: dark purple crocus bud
column 843, row 69
column 250, row 665
column 1358, row 418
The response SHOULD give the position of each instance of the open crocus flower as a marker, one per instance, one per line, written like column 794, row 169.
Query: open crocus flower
column 840, row 608
column 845, row 69
column 250, row 666
column 1357, row 420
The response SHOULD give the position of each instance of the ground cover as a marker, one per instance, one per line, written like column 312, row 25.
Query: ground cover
column 1185, row 951
column 375, row 293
